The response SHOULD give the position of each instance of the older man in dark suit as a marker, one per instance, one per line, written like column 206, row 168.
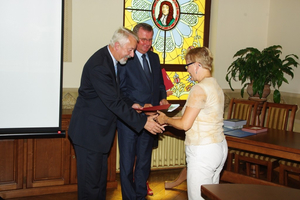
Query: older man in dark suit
column 142, row 82
column 99, row 104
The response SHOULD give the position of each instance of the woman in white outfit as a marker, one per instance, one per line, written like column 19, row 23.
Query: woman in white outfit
column 202, row 119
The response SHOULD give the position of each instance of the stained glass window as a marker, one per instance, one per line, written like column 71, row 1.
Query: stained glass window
column 178, row 26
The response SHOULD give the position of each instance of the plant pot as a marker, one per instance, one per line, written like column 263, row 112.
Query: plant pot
column 265, row 94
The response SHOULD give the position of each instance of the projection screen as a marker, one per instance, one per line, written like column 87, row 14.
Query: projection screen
column 30, row 67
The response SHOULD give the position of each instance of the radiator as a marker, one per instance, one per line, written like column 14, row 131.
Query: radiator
column 169, row 154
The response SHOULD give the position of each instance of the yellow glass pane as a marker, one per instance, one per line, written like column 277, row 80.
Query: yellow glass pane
column 128, row 3
column 182, row 85
column 170, row 43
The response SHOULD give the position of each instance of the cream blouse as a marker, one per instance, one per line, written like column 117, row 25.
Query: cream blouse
column 207, row 127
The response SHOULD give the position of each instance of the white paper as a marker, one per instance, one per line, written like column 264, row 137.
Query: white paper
column 173, row 107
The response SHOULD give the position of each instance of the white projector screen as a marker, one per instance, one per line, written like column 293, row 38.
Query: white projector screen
column 30, row 66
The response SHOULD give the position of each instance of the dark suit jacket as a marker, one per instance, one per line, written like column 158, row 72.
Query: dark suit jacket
column 98, row 105
column 134, row 83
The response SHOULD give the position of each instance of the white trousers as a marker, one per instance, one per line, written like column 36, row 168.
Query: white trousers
column 204, row 164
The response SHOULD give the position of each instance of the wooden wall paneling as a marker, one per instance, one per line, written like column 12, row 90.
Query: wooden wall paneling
column 11, row 164
column 46, row 162
column 67, row 153
column 30, row 167
column 72, row 170
column 111, row 162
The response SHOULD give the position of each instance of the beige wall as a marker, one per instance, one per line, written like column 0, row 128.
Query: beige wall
column 238, row 24
column 93, row 24
column 235, row 24
column 284, row 29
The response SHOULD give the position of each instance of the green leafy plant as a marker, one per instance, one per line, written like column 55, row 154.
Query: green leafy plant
column 260, row 68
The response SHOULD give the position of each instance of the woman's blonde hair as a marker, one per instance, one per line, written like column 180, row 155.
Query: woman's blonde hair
column 201, row 55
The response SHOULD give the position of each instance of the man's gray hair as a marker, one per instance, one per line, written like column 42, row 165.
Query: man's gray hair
column 144, row 26
column 121, row 35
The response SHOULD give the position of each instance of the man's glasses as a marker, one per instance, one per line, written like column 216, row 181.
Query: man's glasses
column 145, row 40
column 186, row 67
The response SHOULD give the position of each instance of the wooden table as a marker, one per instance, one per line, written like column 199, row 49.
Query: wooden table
column 248, row 192
column 277, row 143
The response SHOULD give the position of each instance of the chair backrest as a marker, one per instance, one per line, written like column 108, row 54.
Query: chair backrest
column 243, row 109
column 278, row 116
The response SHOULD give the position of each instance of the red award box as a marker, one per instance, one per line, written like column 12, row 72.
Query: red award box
column 255, row 129
column 167, row 82
column 154, row 108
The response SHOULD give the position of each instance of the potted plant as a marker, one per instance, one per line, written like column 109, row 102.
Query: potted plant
column 260, row 68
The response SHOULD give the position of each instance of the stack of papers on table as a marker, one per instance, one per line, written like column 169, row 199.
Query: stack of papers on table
column 234, row 123
column 255, row 129
column 237, row 133
column 234, row 127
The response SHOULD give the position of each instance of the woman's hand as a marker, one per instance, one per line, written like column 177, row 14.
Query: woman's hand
column 161, row 118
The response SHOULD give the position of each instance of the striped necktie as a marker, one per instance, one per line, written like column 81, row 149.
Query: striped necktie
column 146, row 67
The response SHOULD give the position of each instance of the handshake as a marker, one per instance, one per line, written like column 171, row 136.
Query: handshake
column 156, row 121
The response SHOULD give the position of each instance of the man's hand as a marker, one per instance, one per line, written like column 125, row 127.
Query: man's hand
column 152, row 126
column 137, row 106
column 163, row 102
column 169, row 92
column 147, row 105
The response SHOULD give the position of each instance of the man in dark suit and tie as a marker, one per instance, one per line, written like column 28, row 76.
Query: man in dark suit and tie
column 142, row 82
column 94, row 118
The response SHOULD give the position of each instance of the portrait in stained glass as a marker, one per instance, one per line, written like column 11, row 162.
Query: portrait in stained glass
column 178, row 25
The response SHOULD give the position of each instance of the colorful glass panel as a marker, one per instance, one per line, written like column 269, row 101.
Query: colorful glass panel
column 178, row 25
column 182, row 85
column 174, row 35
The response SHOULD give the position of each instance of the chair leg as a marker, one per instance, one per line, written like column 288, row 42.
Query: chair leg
column 229, row 161
column 236, row 163
column 269, row 171
column 286, row 175
column 248, row 169
column 281, row 175
column 257, row 171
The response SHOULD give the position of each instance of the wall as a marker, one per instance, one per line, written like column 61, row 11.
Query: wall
column 284, row 29
column 235, row 24
column 93, row 24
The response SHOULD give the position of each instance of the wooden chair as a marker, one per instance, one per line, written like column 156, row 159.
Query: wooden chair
column 278, row 116
column 240, row 109
column 281, row 116
column 287, row 168
column 275, row 116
